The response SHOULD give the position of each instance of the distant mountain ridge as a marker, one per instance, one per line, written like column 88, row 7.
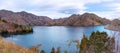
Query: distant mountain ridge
column 86, row 19
column 114, row 25
column 24, row 18
column 35, row 20
column 10, row 16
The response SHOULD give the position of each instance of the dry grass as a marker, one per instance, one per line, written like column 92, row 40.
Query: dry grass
column 7, row 47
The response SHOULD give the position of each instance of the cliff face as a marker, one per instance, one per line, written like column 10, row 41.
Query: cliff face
column 24, row 18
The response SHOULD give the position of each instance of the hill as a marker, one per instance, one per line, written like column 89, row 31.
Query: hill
column 86, row 19
column 7, row 28
column 24, row 18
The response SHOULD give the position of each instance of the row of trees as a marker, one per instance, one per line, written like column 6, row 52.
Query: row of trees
column 19, row 30
column 53, row 50
column 23, row 29
column 35, row 49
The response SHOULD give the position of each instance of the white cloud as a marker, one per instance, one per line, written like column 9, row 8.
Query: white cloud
column 115, row 6
column 109, row 15
column 51, row 8
column 115, row 10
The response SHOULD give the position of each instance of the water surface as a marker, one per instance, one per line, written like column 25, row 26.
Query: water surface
column 54, row 36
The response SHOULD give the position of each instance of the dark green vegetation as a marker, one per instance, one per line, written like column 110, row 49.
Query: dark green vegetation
column 18, row 30
column 53, row 50
column 23, row 29
column 98, row 42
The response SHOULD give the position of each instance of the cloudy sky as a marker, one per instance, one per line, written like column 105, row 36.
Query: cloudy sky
column 62, row 8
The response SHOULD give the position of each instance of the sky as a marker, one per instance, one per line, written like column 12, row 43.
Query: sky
column 109, row 9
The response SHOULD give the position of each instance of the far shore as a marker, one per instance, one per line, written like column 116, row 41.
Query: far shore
column 111, row 27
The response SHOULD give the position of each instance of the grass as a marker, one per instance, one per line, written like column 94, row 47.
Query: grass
column 7, row 47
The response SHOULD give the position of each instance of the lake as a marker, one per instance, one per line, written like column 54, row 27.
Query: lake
column 54, row 36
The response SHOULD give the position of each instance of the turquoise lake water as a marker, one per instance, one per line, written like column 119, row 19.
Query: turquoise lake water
column 54, row 36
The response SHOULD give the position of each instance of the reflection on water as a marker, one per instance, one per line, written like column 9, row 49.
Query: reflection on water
column 55, row 36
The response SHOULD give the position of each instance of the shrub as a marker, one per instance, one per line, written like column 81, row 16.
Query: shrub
column 97, row 43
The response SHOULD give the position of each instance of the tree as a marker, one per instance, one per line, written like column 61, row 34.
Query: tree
column 65, row 51
column 84, row 45
column 0, row 17
column 58, row 50
column 42, row 51
column 97, row 43
column 53, row 50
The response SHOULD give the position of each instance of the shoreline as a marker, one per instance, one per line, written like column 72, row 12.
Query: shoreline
column 111, row 27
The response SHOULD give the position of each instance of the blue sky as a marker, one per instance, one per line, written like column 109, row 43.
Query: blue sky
column 109, row 9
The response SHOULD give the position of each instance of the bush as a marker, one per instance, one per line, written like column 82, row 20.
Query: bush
column 3, row 32
column 97, row 43
column 42, row 51
column 53, row 50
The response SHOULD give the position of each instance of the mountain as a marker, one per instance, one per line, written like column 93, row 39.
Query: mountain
column 24, row 18
column 10, row 16
column 114, row 25
column 7, row 28
column 35, row 20
column 115, row 22
column 86, row 19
